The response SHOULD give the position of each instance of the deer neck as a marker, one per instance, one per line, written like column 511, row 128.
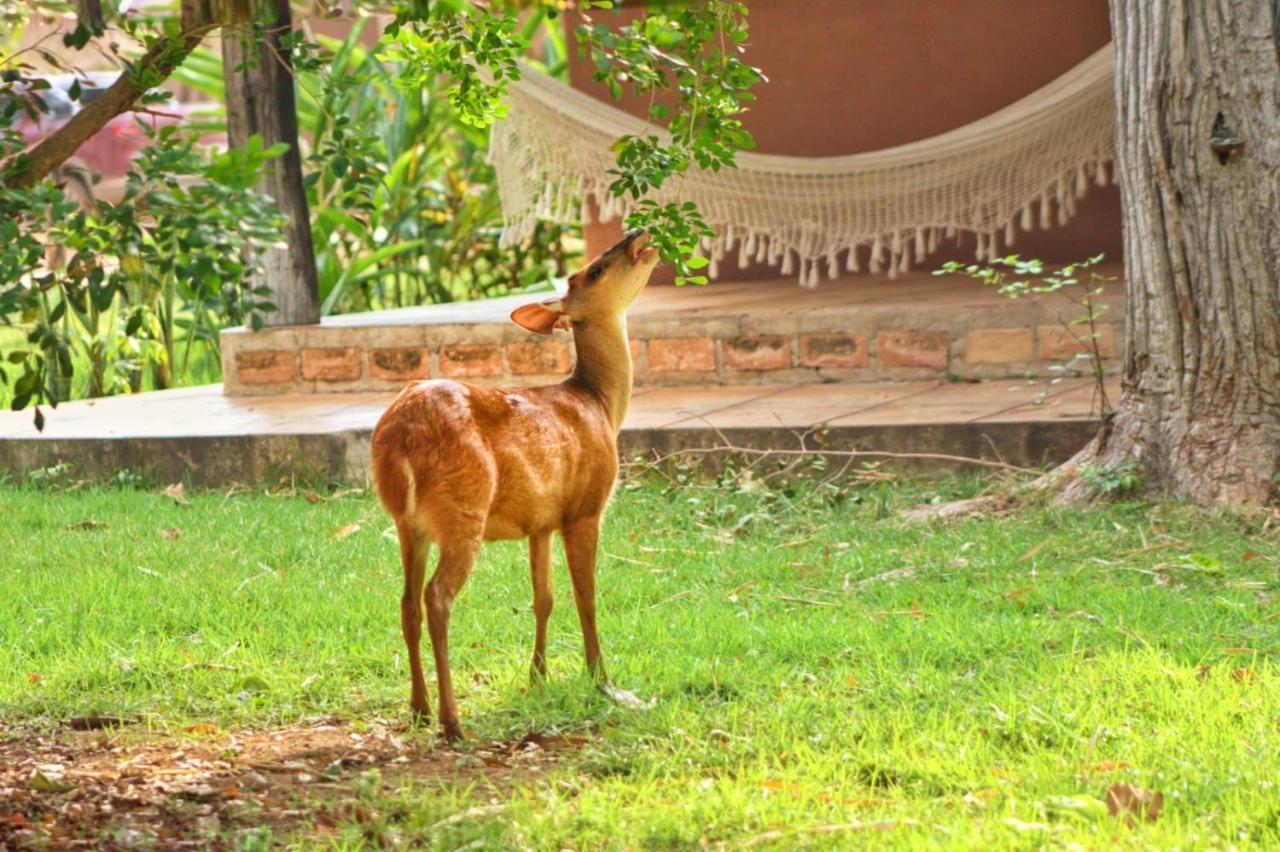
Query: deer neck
column 604, row 363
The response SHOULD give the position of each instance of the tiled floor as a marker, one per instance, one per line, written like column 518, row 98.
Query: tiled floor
column 205, row 412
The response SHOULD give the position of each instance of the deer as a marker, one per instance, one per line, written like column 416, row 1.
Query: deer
column 457, row 464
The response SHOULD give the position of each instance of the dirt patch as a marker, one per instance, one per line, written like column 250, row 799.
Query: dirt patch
column 130, row 787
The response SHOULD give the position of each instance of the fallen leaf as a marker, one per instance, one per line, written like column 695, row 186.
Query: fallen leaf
column 342, row 532
column 202, row 728
column 1203, row 672
column 252, row 683
column 1244, row 676
column 88, row 524
column 1032, row 552
column 852, row 681
column 1017, row 595
column 32, row 677
column 312, row 497
column 177, row 492
column 171, row 533
column 1250, row 555
column 1107, row 766
column 1239, row 652
column 912, row 613
column 1082, row 808
column 45, row 784
column 1129, row 802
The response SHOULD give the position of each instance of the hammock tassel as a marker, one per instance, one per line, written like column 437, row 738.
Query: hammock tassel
column 550, row 157
column 811, row 277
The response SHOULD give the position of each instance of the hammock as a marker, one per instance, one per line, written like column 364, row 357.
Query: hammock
column 806, row 214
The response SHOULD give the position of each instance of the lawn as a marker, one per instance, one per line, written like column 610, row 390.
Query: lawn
column 821, row 674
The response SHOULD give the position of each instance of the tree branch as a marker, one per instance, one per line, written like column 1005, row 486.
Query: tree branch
column 28, row 167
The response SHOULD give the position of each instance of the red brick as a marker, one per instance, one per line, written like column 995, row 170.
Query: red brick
column 682, row 355
column 1058, row 344
column 536, row 359
column 338, row 364
column 998, row 346
column 266, row 367
column 636, row 346
column 912, row 349
column 768, row 352
column 834, row 350
column 469, row 360
column 401, row 364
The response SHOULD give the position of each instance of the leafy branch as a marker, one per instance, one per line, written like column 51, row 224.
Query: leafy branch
column 686, row 58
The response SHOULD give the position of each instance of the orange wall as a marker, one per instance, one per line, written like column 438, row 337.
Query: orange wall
column 857, row 75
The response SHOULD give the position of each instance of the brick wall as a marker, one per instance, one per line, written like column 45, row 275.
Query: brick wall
column 330, row 359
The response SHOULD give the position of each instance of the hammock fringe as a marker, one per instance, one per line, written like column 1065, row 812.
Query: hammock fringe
column 1028, row 163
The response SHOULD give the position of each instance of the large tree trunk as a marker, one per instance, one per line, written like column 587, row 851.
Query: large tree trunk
column 1198, row 94
column 260, row 100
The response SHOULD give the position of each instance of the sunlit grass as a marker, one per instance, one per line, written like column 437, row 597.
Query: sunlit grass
column 819, row 663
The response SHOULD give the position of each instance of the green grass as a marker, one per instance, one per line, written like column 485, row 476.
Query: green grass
column 1013, row 662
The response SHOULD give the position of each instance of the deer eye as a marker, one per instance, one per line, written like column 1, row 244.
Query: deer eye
column 593, row 273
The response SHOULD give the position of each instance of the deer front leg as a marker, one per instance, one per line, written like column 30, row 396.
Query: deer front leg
column 413, row 557
column 580, row 541
column 540, row 572
column 456, row 560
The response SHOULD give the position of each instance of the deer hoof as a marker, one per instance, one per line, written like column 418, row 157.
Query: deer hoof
column 420, row 715
column 451, row 729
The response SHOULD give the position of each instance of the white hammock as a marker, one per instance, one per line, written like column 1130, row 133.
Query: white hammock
column 552, row 156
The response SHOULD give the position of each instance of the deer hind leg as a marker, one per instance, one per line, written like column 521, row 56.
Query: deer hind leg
column 413, row 555
column 457, row 557
column 540, row 572
column 580, row 540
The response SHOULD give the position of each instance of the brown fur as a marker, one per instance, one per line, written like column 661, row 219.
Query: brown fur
column 457, row 464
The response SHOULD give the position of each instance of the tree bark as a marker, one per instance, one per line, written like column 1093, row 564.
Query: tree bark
column 260, row 99
column 1198, row 100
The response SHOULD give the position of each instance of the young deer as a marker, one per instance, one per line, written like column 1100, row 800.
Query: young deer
column 458, row 464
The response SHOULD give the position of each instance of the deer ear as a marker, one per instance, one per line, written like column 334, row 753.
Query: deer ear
column 540, row 317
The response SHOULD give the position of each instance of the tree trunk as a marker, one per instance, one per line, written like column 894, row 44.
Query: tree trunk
column 1198, row 124
column 259, row 96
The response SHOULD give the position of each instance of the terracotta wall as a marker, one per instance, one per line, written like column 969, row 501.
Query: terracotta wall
column 857, row 75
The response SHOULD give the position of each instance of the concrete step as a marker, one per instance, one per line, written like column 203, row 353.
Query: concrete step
column 208, row 438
